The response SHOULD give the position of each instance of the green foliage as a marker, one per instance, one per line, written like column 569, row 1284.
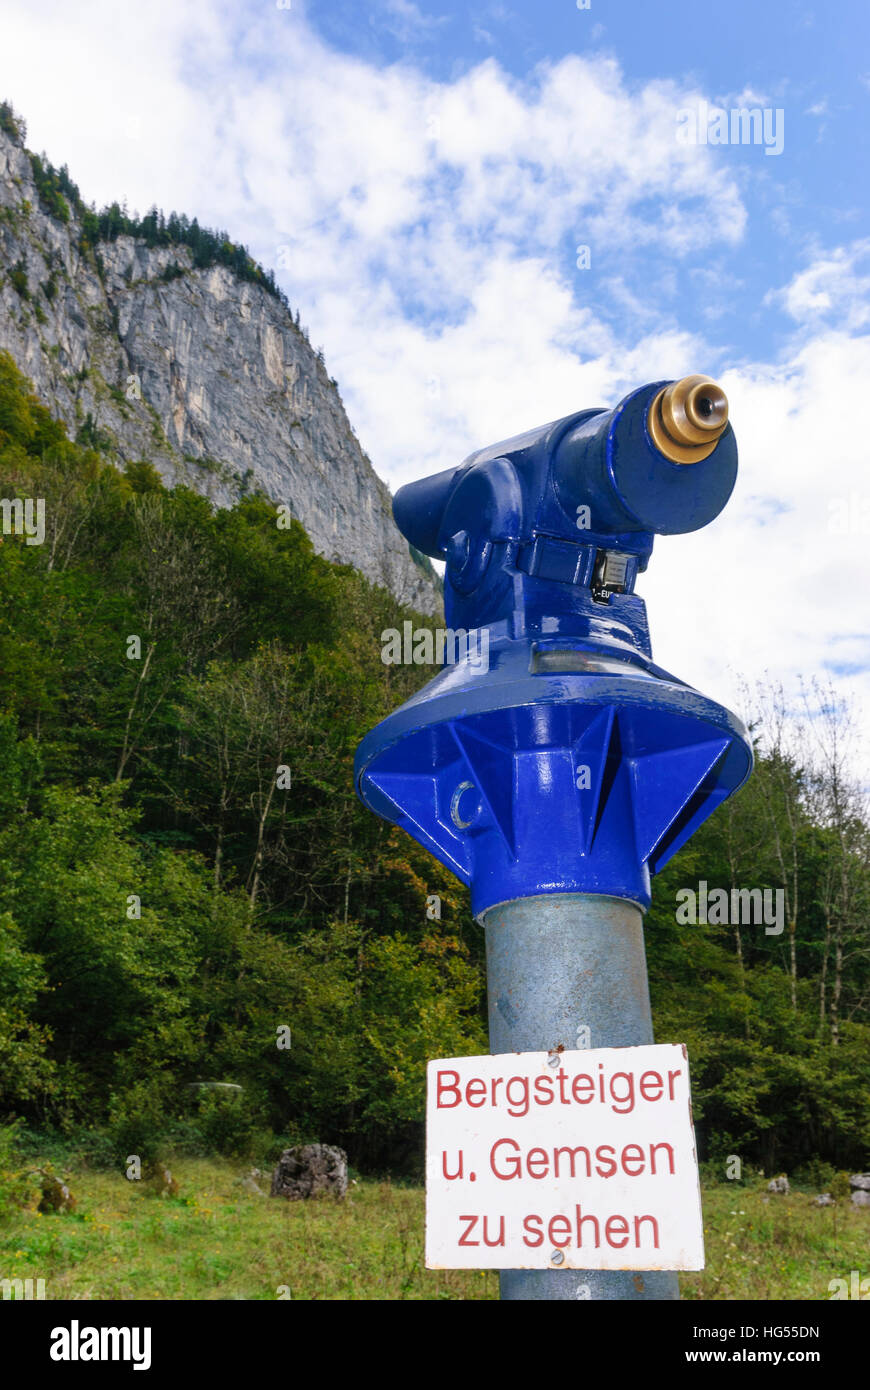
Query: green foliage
column 138, row 1122
column 90, row 436
column 155, row 777
column 814, row 1176
column 51, row 184
column 18, row 279
column 27, row 1075
column 767, row 1083
column 18, row 1185
column 226, row 1121
column 11, row 124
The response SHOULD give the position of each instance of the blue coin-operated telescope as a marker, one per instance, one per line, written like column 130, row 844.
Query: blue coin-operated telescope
column 551, row 764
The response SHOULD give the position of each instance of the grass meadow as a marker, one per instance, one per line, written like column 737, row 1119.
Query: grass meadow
column 216, row 1240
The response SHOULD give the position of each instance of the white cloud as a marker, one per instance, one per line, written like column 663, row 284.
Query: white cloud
column 832, row 287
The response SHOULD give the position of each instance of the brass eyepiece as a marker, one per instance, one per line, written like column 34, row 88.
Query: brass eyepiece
column 687, row 419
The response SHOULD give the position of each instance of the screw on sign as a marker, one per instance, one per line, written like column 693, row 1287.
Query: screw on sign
column 543, row 538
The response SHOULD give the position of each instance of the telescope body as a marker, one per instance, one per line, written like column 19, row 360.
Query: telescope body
column 566, row 761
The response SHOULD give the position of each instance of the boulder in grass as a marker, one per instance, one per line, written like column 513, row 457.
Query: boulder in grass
column 56, row 1196
column 161, row 1181
column 779, row 1185
column 860, row 1182
column 307, row 1170
column 860, row 1198
column 824, row 1199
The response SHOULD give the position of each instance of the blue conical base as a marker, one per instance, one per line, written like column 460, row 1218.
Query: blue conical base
column 524, row 780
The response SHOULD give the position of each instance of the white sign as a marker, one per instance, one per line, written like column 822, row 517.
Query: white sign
column 570, row 1160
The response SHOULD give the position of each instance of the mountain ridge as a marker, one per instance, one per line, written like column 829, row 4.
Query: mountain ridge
column 200, row 369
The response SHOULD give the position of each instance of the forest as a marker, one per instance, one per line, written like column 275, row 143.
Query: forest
column 191, row 893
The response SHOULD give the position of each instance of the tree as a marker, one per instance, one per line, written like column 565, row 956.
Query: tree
column 841, row 811
column 780, row 779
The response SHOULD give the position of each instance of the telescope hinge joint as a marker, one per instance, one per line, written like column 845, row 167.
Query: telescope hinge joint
column 593, row 567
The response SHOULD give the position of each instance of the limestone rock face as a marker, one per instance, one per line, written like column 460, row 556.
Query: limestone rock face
column 203, row 374
column 310, row 1169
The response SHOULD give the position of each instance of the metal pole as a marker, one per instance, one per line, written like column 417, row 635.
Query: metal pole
column 558, row 963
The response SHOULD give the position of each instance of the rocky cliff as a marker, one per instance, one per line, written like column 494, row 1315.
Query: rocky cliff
column 202, row 373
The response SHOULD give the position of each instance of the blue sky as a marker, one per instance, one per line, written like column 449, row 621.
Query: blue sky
column 810, row 60
column 420, row 176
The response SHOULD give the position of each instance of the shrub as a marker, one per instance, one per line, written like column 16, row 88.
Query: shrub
column 17, row 1184
column 227, row 1123
column 18, row 279
column 139, row 1121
